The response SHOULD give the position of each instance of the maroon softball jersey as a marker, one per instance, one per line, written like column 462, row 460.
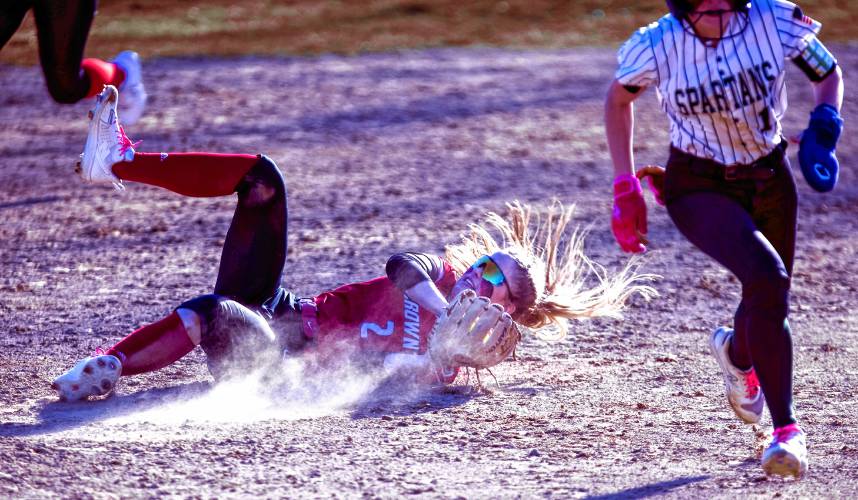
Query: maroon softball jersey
column 375, row 316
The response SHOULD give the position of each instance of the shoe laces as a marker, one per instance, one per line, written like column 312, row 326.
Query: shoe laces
column 785, row 433
column 752, row 383
column 124, row 142
column 100, row 351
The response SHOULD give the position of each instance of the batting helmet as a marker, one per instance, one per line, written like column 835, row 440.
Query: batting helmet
column 681, row 8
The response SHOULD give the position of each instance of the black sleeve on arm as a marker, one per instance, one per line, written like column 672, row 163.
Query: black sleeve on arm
column 813, row 73
column 633, row 89
column 815, row 60
column 407, row 269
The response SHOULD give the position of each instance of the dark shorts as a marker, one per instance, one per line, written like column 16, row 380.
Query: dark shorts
column 238, row 338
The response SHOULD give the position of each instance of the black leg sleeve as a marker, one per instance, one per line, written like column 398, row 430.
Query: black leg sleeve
column 11, row 16
column 63, row 27
column 255, row 249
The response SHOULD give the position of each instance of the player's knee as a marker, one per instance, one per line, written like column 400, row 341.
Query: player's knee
column 205, row 306
column 263, row 184
column 768, row 293
column 192, row 324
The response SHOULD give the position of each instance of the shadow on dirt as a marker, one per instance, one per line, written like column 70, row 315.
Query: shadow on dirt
column 390, row 400
column 454, row 105
column 649, row 490
column 57, row 416
column 31, row 201
column 385, row 402
column 521, row 91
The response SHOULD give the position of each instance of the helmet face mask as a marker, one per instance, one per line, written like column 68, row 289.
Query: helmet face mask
column 685, row 12
column 681, row 9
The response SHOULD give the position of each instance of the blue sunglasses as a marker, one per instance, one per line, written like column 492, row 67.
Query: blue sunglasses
column 491, row 271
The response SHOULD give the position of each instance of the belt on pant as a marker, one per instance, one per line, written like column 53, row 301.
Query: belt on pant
column 761, row 169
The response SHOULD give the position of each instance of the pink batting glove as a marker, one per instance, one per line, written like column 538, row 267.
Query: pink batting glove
column 628, row 220
column 656, row 180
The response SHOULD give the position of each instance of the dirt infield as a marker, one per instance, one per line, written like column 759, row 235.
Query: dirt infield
column 382, row 153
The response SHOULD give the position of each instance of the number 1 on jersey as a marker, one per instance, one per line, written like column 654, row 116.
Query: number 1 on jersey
column 766, row 120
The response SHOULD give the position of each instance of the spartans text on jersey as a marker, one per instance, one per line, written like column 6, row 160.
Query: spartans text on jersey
column 730, row 92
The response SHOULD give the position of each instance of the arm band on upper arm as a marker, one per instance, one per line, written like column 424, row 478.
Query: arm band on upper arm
column 815, row 61
column 634, row 89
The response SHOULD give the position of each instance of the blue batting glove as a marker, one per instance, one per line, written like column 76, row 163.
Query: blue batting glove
column 816, row 149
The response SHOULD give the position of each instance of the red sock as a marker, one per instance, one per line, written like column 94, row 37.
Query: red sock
column 101, row 73
column 190, row 174
column 153, row 346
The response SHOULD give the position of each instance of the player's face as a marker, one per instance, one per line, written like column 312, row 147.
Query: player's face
column 487, row 277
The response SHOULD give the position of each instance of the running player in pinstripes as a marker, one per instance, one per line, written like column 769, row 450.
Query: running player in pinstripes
column 62, row 27
column 718, row 69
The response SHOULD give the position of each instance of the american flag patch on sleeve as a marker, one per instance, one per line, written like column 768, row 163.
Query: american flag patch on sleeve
column 799, row 15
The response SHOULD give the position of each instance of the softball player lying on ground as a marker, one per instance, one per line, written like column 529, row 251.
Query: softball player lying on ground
column 402, row 321
column 718, row 67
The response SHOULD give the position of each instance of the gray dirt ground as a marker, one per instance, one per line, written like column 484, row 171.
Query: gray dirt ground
column 384, row 153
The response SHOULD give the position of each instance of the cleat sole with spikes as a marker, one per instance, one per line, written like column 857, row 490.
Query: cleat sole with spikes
column 784, row 464
column 92, row 376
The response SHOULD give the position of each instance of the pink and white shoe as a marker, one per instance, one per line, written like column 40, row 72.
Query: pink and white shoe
column 787, row 453
column 742, row 387
column 106, row 143
column 92, row 376
column 133, row 93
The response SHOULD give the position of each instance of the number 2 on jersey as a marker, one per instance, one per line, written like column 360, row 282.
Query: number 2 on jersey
column 366, row 328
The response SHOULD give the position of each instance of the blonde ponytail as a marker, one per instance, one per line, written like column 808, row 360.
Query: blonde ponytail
column 557, row 281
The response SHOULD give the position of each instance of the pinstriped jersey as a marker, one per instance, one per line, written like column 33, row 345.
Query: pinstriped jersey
column 724, row 101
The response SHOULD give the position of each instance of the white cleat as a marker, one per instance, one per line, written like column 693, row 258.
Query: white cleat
column 106, row 143
column 92, row 376
column 133, row 93
column 787, row 453
column 743, row 388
